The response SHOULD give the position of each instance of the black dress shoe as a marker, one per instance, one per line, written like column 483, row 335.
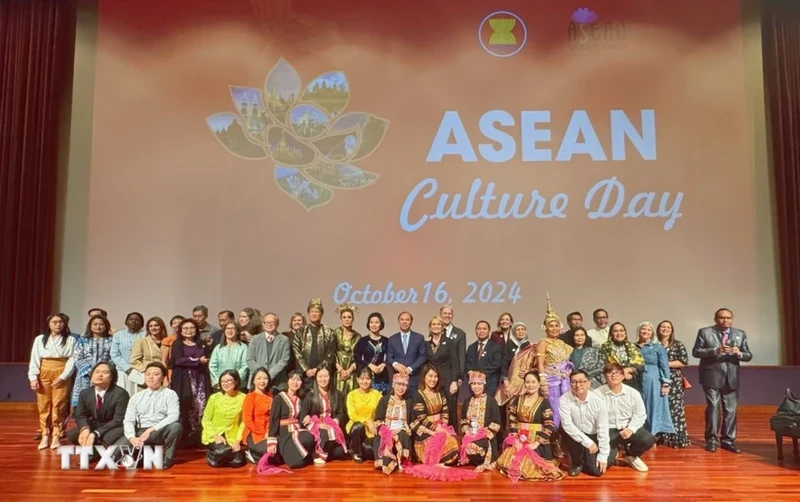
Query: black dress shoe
column 711, row 447
column 358, row 459
column 730, row 447
column 575, row 471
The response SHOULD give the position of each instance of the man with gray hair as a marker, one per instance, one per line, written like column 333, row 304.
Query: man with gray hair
column 270, row 349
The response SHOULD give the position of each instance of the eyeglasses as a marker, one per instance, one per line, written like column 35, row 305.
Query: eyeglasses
column 615, row 373
column 579, row 382
column 228, row 380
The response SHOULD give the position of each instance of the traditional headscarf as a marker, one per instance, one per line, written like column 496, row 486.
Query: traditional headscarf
column 315, row 303
column 514, row 329
column 551, row 315
column 477, row 377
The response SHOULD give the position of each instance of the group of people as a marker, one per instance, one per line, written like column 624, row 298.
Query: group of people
column 574, row 401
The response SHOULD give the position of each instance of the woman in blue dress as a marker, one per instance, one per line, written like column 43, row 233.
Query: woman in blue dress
column 656, row 382
column 92, row 347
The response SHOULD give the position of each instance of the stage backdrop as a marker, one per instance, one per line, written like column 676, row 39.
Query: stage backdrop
column 405, row 155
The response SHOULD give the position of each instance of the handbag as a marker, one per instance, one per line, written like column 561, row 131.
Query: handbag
column 219, row 454
column 686, row 383
column 790, row 406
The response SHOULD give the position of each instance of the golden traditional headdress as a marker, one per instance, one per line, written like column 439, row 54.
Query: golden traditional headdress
column 400, row 378
column 315, row 303
column 347, row 307
column 551, row 314
column 477, row 377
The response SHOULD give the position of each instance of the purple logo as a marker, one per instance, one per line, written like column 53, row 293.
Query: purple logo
column 587, row 32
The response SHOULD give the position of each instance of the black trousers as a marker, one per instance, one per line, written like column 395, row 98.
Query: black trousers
column 580, row 456
column 256, row 449
column 730, row 401
column 635, row 446
column 359, row 444
column 169, row 436
column 110, row 437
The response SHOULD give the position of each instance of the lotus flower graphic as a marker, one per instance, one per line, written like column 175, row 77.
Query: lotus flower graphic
column 303, row 131
column 584, row 16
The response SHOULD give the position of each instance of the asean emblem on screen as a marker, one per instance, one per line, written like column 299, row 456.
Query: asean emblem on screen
column 304, row 130
column 502, row 34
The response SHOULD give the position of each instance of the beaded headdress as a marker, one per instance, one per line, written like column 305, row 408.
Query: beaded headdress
column 551, row 315
column 347, row 307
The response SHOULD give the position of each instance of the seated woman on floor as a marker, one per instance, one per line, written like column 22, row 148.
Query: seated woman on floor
column 480, row 423
column 288, row 442
column 527, row 454
column 257, row 405
column 361, row 406
column 393, row 439
column 323, row 414
column 222, row 423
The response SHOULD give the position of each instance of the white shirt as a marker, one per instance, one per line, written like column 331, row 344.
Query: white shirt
column 54, row 350
column 151, row 408
column 579, row 418
column 448, row 330
column 625, row 409
column 598, row 336
column 101, row 393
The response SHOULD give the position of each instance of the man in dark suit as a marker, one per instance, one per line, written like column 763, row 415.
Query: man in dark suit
column 485, row 356
column 457, row 335
column 720, row 348
column 101, row 409
column 406, row 353
column 574, row 321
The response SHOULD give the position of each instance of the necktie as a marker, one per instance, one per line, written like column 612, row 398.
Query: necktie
column 99, row 403
column 405, row 343
column 480, row 349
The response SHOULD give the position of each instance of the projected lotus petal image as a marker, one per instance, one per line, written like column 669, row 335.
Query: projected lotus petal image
column 304, row 131
column 584, row 16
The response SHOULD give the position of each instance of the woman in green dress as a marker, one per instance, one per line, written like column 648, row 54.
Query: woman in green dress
column 346, row 338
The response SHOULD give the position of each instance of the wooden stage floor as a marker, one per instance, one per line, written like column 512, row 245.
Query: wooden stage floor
column 690, row 474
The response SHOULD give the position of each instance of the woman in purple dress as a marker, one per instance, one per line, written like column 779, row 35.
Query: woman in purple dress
column 189, row 364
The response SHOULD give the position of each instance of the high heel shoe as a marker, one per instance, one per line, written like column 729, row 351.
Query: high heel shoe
column 55, row 441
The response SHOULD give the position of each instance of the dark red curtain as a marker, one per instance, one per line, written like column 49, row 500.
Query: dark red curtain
column 37, row 40
column 781, row 45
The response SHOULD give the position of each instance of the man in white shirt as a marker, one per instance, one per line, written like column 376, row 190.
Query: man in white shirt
column 626, row 417
column 584, row 419
column 152, row 415
column 599, row 334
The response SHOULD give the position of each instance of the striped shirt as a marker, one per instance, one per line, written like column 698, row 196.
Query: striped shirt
column 121, row 347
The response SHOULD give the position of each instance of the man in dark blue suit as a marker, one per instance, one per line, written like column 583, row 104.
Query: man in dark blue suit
column 406, row 353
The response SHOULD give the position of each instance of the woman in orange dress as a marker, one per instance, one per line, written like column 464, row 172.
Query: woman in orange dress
column 256, row 410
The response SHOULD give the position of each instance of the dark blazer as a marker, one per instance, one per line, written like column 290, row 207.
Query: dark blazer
column 446, row 361
column 569, row 338
column 488, row 363
column 414, row 358
column 718, row 369
column 110, row 415
column 498, row 338
column 460, row 337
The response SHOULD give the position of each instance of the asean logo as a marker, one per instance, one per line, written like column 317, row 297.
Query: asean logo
column 304, row 131
column 502, row 34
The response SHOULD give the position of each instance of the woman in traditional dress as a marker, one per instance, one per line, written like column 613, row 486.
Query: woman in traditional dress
column 656, row 381
column 480, row 423
column 49, row 373
column 93, row 347
column 623, row 352
column 147, row 350
column 346, row 338
column 392, row 416
column 166, row 344
column 527, row 454
column 553, row 361
column 370, row 352
column 223, row 424
column 586, row 358
column 519, row 357
column 189, row 362
column 678, row 358
column 286, row 436
column 255, row 413
column 323, row 414
column 361, row 406
column 230, row 354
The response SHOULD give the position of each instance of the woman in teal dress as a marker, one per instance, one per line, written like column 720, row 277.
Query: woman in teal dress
column 656, row 382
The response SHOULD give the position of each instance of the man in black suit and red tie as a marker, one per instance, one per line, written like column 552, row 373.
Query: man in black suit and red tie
column 720, row 349
column 101, row 409
column 485, row 356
